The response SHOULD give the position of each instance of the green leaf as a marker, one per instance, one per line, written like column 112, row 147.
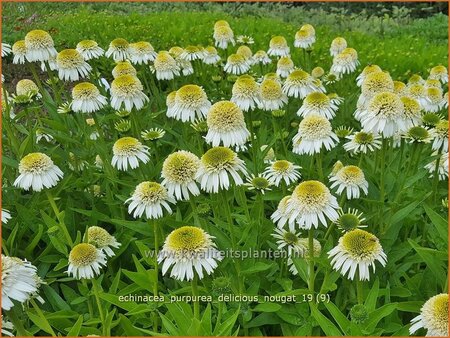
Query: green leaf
column 75, row 330
column 267, row 307
column 438, row 221
column 325, row 324
column 371, row 299
column 40, row 323
column 377, row 315
column 338, row 316
column 430, row 257
column 258, row 267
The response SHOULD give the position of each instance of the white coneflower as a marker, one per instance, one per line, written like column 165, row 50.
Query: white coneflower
column 299, row 83
column 165, row 66
column 189, row 250
column 284, row 66
column 317, row 72
column 445, row 101
column 434, row 98
column 19, row 281
column 19, row 51
column 141, row 52
column 151, row 198
column 345, row 62
column 41, row 135
column 170, row 102
column 433, row 317
column 304, row 243
column 211, row 57
column 418, row 92
column 71, row 65
column 7, row 328
column 282, row 170
column 246, row 93
column 85, row 261
column 39, row 46
column 278, row 46
column 153, row 134
column 37, row 171
column 304, row 38
column 89, row 49
column 400, row 88
column 102, row 239
column 6, row 216
column 223, row 35
column 119, row 49
column 236, row 64
column 281, row 216
column 226, row 125
column 369, row 69
column 318, row 103
column 439, row 73
column 245, row 39
column 350, row 220
column 351, row 179
column 246, row 52
column 418, row 134
column 337, row 46
column 357, row 249
column 176, row 52
column 87, row 98
column 310, row 202
column 362, row 141
column 289, row 241
column 412, row 112
column 6, row 49
column 216, row 166
column 268, row 152
column 385, row 114
column 258, row 183
column 432, row 83
column 440, row 131
column 374, row 82
column 442, row 166
column 261, row 57
column 129, row 150
column 313, row 133
column 191, row 53
column 221, row 23
column 185, row 67
column 123, row 68
column 127, row 90
column 416, row 79
column 178, row 172
column 27, row 87
column 272, row 95
column 190, row 103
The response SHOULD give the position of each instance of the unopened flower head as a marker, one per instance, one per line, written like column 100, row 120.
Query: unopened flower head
column 37, row 171
column 317, row 72
column 385, row 115
column 289, row 241
column 87, row 98
column 246, row 93
column 236, row 64
column 165, row 66
column 39, row 46
column 282, row 170
column 350, row 220
column 188, row 251
column 337, row 46
column 123, row 68
column 19, row 51
column 314, row 132
column 299, row 83
column 178, row 172
column 142, row 52
column 258, row 183
column 350, row 179
column 217, row 164
column 27, row 87
column 226, row 125
column 285, row 66
column 345, row 62
column 151, row 198
column 418, row 134
column 310, row 202
column 89, row 49
column 211, row 57
column 19, row 281
column 102, row 240
column 129, row 151
column 245, row 40
column 362, row 141
column 153, row 134
column 317, row 103
column 71, row 65
column 119, row 49
column 272, row 95
column 223, row 35
column 190, row 103
column 278, row 47
column 127, row 90
column 261, row 57
column 439, row 73
column 357, row 249
column 85, row 261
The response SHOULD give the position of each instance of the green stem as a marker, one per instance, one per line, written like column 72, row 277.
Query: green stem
column 436, row 174
column 319, row 166
column 53, row 84
column 99, row 305
column 195, row 296
column 359, row 291
column 42, row 316
column 17, row 323
column 382, row 193
column 91, row 311
column 311, row 260
column 155, row 286
column 60, row 219
column 194, row 210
